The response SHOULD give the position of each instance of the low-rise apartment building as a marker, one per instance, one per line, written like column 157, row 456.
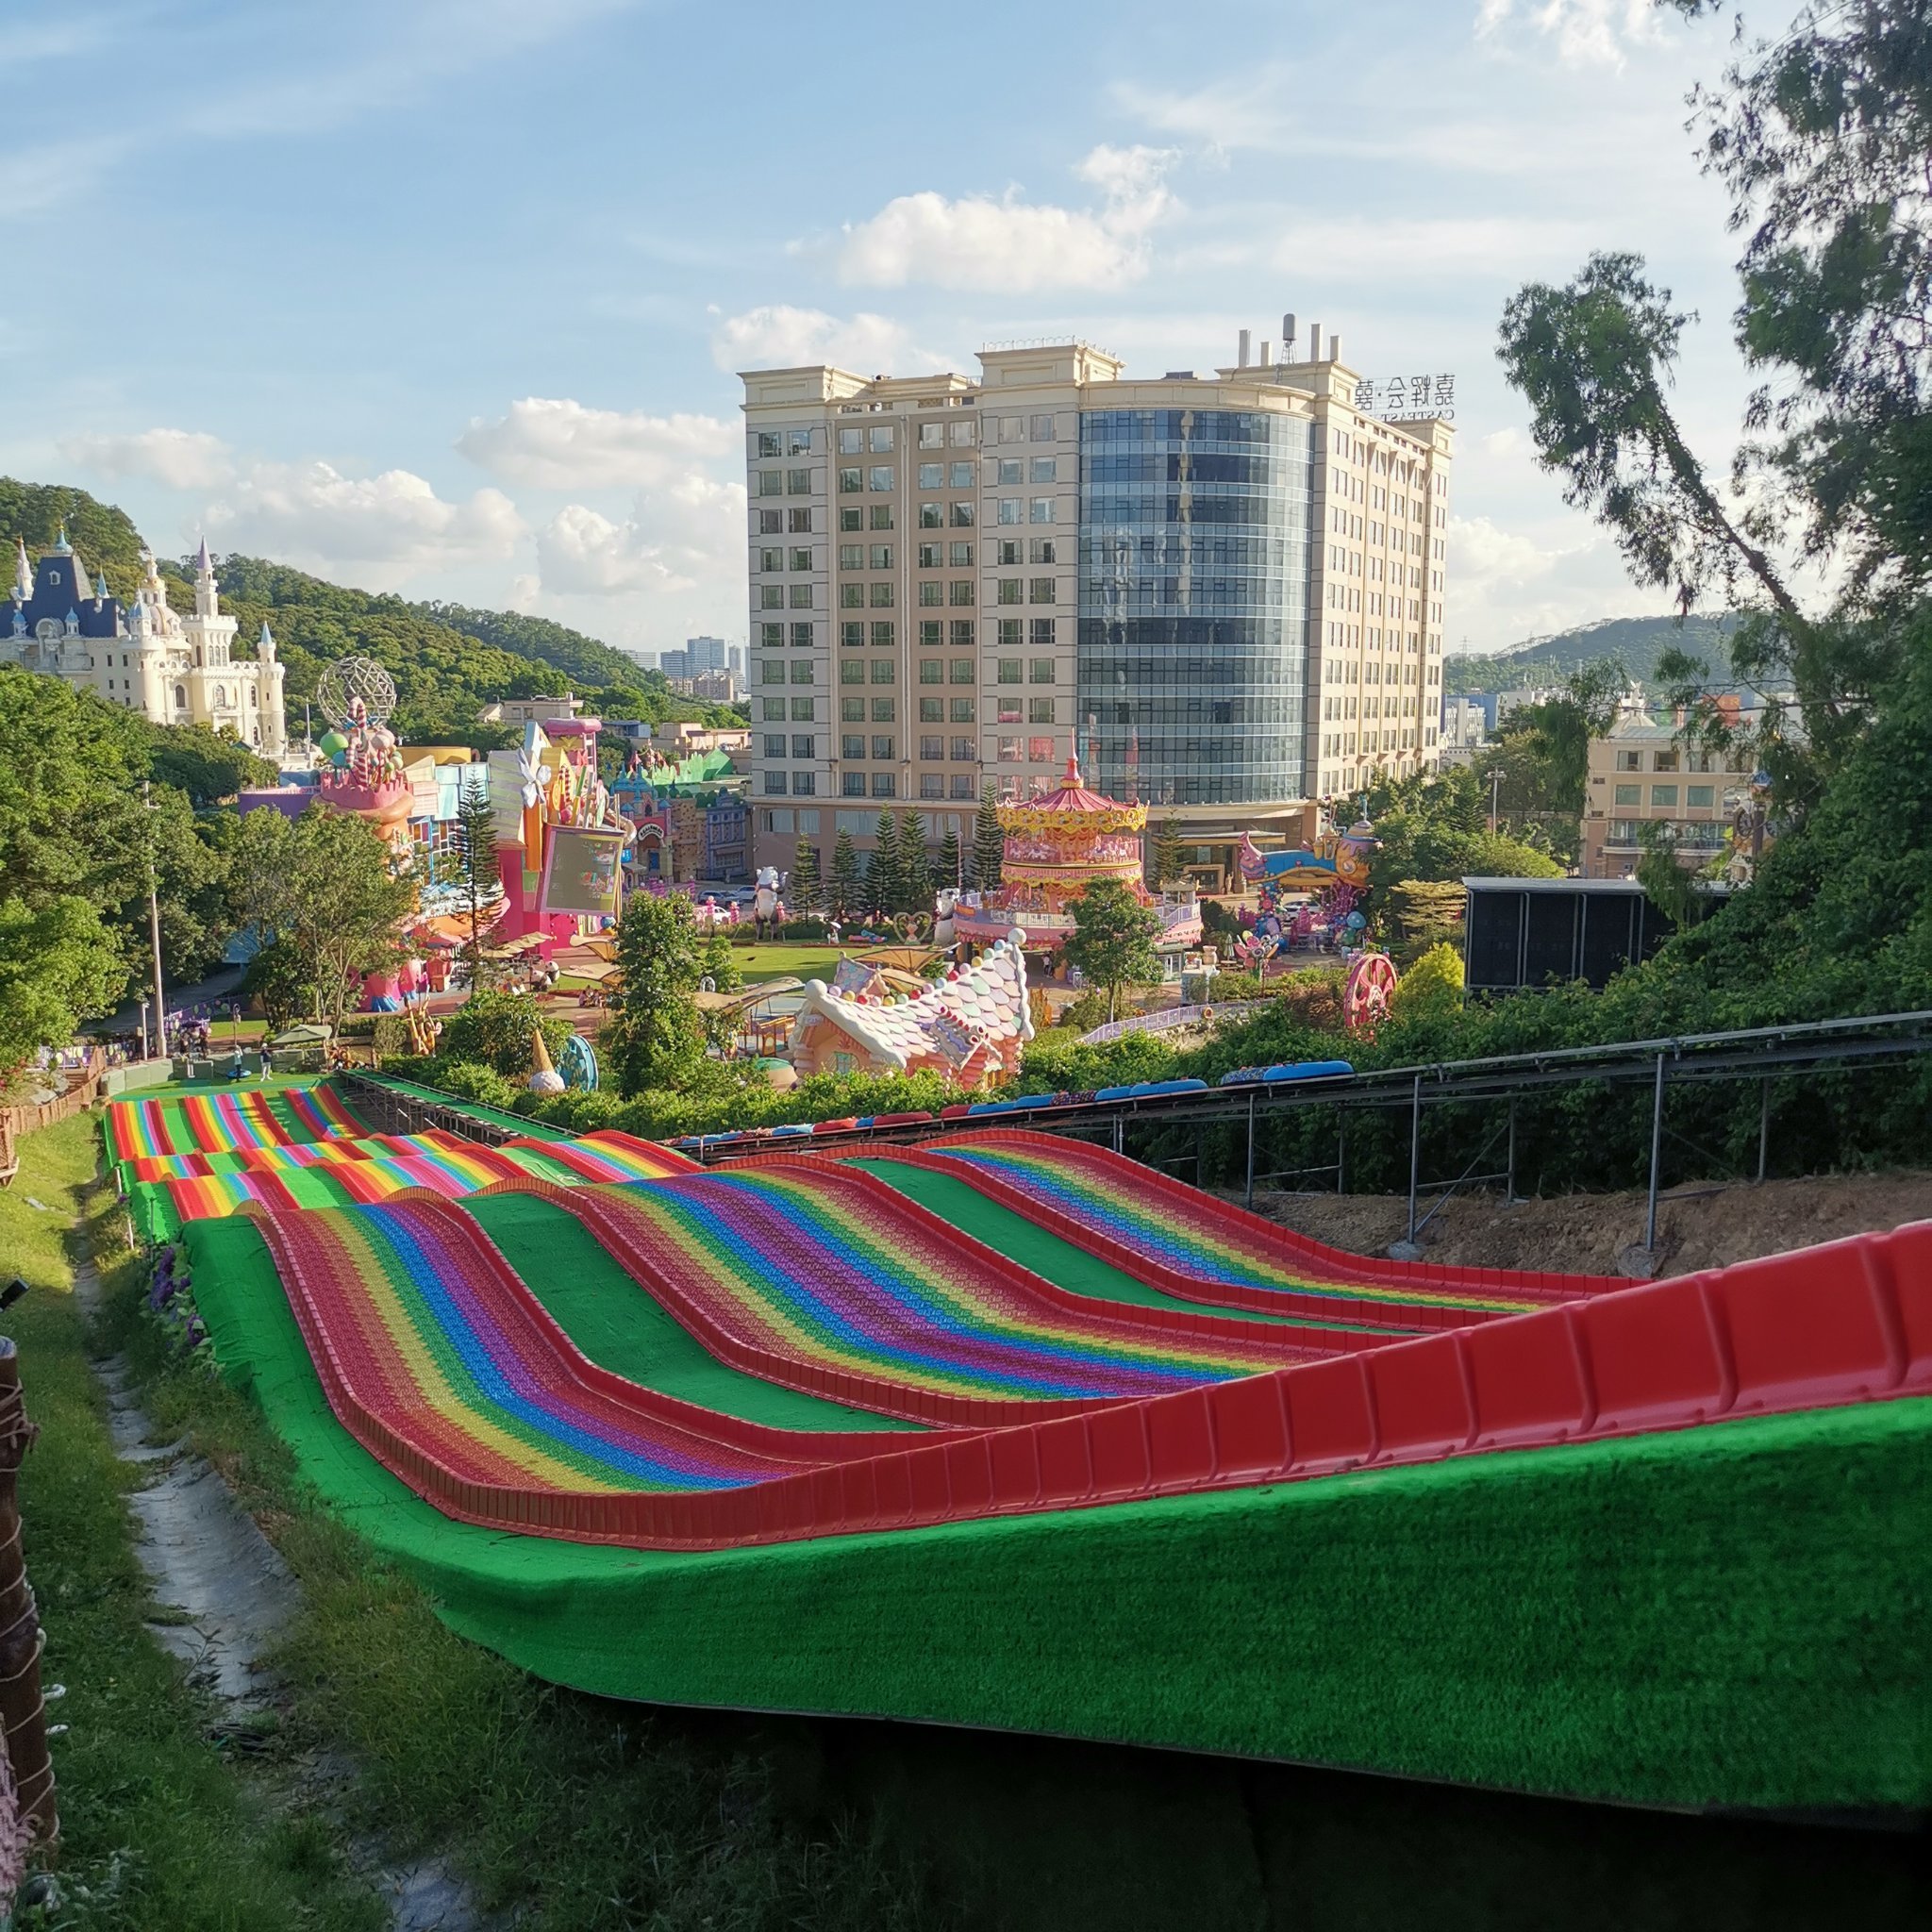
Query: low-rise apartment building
column 1642, row 775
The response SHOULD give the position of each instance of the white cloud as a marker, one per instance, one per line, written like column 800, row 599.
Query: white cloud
column 1407, row 251
column 1588, row 33
column 560, row 444
column 1011, row 245
column 387, row 528
column 179, row 458
column 777, row 335
column 688, row 537
column 1509, row 587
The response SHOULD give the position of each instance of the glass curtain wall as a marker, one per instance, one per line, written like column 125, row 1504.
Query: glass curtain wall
column 1194, row 604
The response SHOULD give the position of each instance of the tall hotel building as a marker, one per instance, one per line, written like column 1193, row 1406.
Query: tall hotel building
column 1225, row 592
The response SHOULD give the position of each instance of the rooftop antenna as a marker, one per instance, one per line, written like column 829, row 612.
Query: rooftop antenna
column 1288, row 333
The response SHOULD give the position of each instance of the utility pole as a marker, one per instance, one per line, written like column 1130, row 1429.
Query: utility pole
column 1495, row 775
column 154, row 918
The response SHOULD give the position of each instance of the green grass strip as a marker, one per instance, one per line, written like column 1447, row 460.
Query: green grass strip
column 622, row 1328
column 491, row 1116
column 1732, row 1615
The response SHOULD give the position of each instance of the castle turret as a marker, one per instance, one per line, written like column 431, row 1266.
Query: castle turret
column 22, row 573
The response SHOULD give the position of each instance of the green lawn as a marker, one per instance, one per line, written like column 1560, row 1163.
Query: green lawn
column 156, row 1823
column 781, row 962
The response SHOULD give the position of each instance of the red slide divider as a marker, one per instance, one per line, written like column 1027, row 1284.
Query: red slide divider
column 1293, row 1249
column 659, row 1276
column 1847, row 1322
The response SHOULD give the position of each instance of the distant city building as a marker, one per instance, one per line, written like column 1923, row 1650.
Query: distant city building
column 674, row 664
column 706, row 654
column 714, row 687
column 173, row 667
column 517, row 712
column 1464, row 730
column 1225, row 590
column 736, row 666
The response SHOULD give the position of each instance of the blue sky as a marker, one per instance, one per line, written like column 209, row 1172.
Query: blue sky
column 444, row 295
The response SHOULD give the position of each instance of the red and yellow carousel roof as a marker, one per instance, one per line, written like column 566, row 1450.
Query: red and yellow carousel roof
column 1070, row 809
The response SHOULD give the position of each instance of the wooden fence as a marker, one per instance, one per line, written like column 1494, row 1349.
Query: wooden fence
column 16, row 1122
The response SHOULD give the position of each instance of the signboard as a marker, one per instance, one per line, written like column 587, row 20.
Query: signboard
column 581, row 871
column 1408, row 399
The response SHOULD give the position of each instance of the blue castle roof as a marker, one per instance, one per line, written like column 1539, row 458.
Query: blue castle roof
column 61, row 590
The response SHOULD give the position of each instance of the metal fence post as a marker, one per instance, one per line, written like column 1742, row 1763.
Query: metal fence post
column 1119, row 1122
column 1510, row 1184
column 1657, row 1143
column 1248, row 1200
column 1415, row 1149
column 1341, row 1150
column 1763, row 1125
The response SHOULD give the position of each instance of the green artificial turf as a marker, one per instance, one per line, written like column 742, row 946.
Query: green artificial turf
column 1732, row 1615
column 516, row 1124
column 622, row 1328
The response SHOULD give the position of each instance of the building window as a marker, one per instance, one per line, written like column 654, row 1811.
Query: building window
column 881, row 556
column 801, row 559
column 1039, row 670
column 801, row 671
column 1697, row 797
column 772, row 560
column 1007, row 508
column 804, row 784
column 771, row 672
column 959, row 592
column 884, row 671
column 1663, row 794
column 774, row 783
column 1041, row 550
column 931, row 516
column 799, row 597
column 931, row 592
column 851, row 443
column 932, row 749
column 852, row 671
column 1040, row 632
column 771, row 596
column 797, row 482
column 850, row 480
column 800, row 637
column 962, row 670
column 770, row 483
column 880, row 517
column 930, row 556
column 1629, row 761
column 879, row 595
column 1007, row 670
column 852, row 784
column 1664, row 761
column 883, row 785
column 932, row 434
column 932, row 784
column 881, row 476
column 801, row 745
column 1042, row 429
column 851, row 556
column 1040, row 511
column 962, row 477
column 803, row 710
column 850, row 596
column 961, row 432
column 852, row 519
column 962, row 785
column 931, row 670
column 797, row 521
column 932, row 475
column 885, row 632
column 1040, row 590
column 770, row 521
column 962, row 712
column 961, row 515
column 1628, row 795
column 882, row 710
column 1009, row 589
column 932, row 710
column 851, row 710
column 1009, row 633
column 852, row 745
column 767, row 443
column 774, row 710
column 851, row 634
column 771, row 635
column 774, row 745
column 930, row 634
column 881, row 439
column 1039, row 710
column 962, row 556
column 962, row 633
column 1010, row 751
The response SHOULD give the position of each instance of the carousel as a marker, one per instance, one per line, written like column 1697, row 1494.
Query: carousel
column 1056, row 846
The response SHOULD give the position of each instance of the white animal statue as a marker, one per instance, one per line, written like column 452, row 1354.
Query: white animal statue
column 945, row 902
column 767, row 908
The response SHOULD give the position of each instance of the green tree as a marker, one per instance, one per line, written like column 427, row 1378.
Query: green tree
column 915, row 869
column 721, row 964
column 1167, row 863
column 847, row 896
column 1431, row 986
column 803, row 892
column 475, row 864
column 57, row 968
column 655, row 1039
column 1667, row 883
column 207, row 766
column 277, row 978
column 949, row 870
column 988, row 842
column 884, row 879
column 324, row 885
column 1112, row 940
column 495, row 1029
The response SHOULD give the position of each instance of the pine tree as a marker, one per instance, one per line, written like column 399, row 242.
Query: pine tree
column 848, row 886
column 803, row 892
column 654, row 1038
column 1170, row 866
column 947, row 871
column 988, row 842
column 915, row 869
column 476, row 861
column 882, row 875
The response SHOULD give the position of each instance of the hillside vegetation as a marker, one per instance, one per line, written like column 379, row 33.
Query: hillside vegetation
column 1636, row 642
column 447, row 660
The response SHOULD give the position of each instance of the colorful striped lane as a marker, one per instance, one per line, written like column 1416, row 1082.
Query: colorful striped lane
column 788, row 1262
column 1201, row 1245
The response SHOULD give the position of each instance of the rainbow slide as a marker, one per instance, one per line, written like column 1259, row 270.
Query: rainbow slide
column 1018, row 1434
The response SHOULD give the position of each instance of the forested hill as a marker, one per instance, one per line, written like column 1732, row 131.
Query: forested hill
column 1637, row 643
column 447, row 660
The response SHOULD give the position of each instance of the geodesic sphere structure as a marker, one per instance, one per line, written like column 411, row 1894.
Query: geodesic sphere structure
column 349, row 679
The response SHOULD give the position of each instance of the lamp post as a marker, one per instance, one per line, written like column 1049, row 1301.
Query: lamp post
column 1495, row 776
column 144, row 1003
column 153, row 915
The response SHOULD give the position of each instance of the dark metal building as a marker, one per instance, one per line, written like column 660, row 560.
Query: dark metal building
column 1527, row 932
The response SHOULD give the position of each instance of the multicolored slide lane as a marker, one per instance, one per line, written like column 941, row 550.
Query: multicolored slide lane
column 1187, row 1518
column 1203, row 1250
column 237, row 1118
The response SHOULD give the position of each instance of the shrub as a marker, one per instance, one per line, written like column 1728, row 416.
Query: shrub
column 494, row 1029
column 1432, row 986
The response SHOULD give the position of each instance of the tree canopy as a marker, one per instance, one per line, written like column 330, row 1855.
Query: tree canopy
column 1112, row 940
